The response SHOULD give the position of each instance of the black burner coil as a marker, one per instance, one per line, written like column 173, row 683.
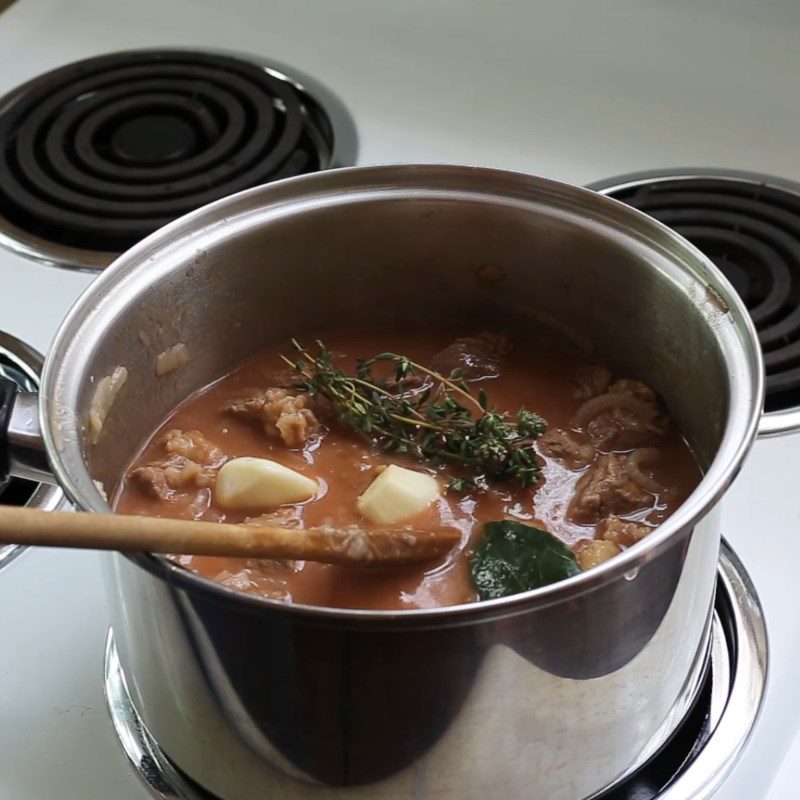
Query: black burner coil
column 751, row 231
column 100, row 153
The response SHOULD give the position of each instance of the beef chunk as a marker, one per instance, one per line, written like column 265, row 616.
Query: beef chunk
column 286, row 516
column 191, row 463
column 563, row 446
column 606, row 488
column 153, row 480
column 625, row 424
column 591, row 381
column 476, row 357
column 623, row 430
column 194, row 446
column 636, row 389
column 268, row 578
column 620, row 532
column 284, row 414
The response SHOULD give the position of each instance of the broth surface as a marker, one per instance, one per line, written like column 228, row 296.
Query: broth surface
column 344, row 463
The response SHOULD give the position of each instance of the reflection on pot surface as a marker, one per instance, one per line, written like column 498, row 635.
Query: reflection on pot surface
column 394, row 711
column 694, row 762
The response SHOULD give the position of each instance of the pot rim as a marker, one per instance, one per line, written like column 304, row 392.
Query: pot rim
column 737, row 340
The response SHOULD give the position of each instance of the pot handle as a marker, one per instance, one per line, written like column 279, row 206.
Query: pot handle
column 22, row 450
column 8, row 393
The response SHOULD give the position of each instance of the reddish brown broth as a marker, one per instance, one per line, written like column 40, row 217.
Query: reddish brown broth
column 344, row 463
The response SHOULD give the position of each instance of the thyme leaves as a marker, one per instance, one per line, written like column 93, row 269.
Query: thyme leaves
column 439, row 421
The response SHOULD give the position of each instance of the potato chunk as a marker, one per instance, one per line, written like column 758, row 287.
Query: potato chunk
column 258, row 483
column 594, row 553
column 397, row 494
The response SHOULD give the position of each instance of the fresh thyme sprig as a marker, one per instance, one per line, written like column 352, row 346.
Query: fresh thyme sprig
column 442, row 422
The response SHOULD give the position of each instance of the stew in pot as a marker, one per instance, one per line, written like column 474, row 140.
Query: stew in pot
column 547, row 463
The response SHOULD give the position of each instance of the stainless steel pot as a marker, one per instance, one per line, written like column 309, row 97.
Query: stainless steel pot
column 555, row 693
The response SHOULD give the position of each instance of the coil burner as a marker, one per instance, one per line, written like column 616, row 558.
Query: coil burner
column 749, row 226
column 96, row 155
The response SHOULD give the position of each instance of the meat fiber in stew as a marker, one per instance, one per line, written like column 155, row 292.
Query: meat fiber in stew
column 611, row 465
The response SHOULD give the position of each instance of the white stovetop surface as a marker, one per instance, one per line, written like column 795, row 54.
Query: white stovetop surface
column 572, row 90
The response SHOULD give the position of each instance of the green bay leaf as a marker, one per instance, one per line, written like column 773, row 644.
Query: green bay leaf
column 511, row 558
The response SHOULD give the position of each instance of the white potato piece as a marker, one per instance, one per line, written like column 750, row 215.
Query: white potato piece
column 397, row 494
column 258, row 483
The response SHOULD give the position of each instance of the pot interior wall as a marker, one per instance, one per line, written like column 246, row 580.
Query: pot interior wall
column 409, row 262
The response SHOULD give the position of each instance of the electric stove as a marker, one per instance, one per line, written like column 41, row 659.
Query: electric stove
column 574, row 91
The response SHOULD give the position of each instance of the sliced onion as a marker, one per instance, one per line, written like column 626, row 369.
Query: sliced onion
column 635, row 461
column 107, row 390
column 608, row 402
column 171, row 359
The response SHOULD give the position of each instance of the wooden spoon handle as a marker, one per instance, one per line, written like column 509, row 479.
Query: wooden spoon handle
column 348, row 547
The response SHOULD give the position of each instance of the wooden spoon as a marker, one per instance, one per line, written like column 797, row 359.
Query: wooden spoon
column 384, row 547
